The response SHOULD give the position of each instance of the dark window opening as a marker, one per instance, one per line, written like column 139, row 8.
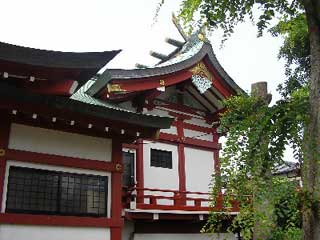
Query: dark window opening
column 56, row 193
column 128, row 169
column 161, row 158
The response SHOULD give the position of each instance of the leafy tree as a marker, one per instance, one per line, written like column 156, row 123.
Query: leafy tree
column 257, row 136
column 225, row 15
column 262, row 142
column 296, row 51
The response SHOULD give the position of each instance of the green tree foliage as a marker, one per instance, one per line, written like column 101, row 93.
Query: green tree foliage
column 256, row 139
column 257, row 134
column 295, row 51
column 226, row 15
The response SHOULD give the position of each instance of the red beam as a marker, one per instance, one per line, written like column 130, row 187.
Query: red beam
column 219, row 83
column 179, row 107
column 191, row 142
column 130, row 146
column 65, row 87
column 162, row 216
column 31, row 219
column 152, row 82
column 201, row 143
column 25, row 156
column 172, row 207
column 197, row 128
column 82, row 121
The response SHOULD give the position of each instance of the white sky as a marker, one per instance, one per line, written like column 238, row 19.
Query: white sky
column 100, row 25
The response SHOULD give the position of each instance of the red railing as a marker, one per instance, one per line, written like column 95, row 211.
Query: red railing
column 164, row 199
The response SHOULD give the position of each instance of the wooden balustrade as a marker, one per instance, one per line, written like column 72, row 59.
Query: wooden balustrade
column 165, row 199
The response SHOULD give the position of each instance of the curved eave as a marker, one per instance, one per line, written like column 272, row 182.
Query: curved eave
column 9, row 94
column 122, row 74
column 55, row 59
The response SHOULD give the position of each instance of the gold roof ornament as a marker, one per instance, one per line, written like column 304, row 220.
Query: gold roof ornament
column 162, row 83
column 201, row 77
column 201, row 70
column 115, row 88
column 202, row 36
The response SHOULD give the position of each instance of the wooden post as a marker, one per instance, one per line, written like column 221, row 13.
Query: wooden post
column 262, row 230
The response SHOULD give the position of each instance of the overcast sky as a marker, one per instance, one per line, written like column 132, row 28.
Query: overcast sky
column 100, row 25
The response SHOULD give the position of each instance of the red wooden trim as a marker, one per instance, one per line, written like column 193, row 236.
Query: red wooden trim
column 179, row 107
column 53, row 87
column 180, row 116
column 181, row 159
column 201, row 143
column 64, row 126
column 216, row 161
column 170, row 190
column 116, row 181
column 190, row 142
column 164, row 216
column 197, row 128
column 140, row 169
column 81, row 121
column 130, row 146
column 172, row 207
column 168, row 137
column 25, row 156
column 219, row 83
column 30, row 219
column 152, row 82
column 116, row 233
column 4, row 141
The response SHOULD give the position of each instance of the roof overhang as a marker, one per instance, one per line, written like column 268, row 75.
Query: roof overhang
column 68, row 109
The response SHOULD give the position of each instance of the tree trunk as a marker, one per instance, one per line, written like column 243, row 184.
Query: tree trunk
column 311, row 161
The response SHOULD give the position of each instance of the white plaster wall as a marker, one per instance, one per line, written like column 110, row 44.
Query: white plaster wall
column 53, row 168
column 216, row 236
column 171, row 130
column 198, row 135
column 49, row 141
column 199, row 122
column 127, row 230
column 156, row 111
column 23, row 232
column 161, row 178
column 199, row 169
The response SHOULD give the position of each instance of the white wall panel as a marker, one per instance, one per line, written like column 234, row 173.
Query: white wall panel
column 23, row 232
column 171, row 130
column 198, row 122
column 215, row 236
column 198, row 135
column 161, row 178
column 199, row 169
column 49, row 141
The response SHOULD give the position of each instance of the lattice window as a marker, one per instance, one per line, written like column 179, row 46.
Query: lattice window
column 58, row 193
column 161, row 158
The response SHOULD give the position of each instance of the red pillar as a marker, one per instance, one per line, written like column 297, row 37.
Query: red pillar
column 140, row 170
column 116, row 190
column 4, row 141
column 181, row 161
